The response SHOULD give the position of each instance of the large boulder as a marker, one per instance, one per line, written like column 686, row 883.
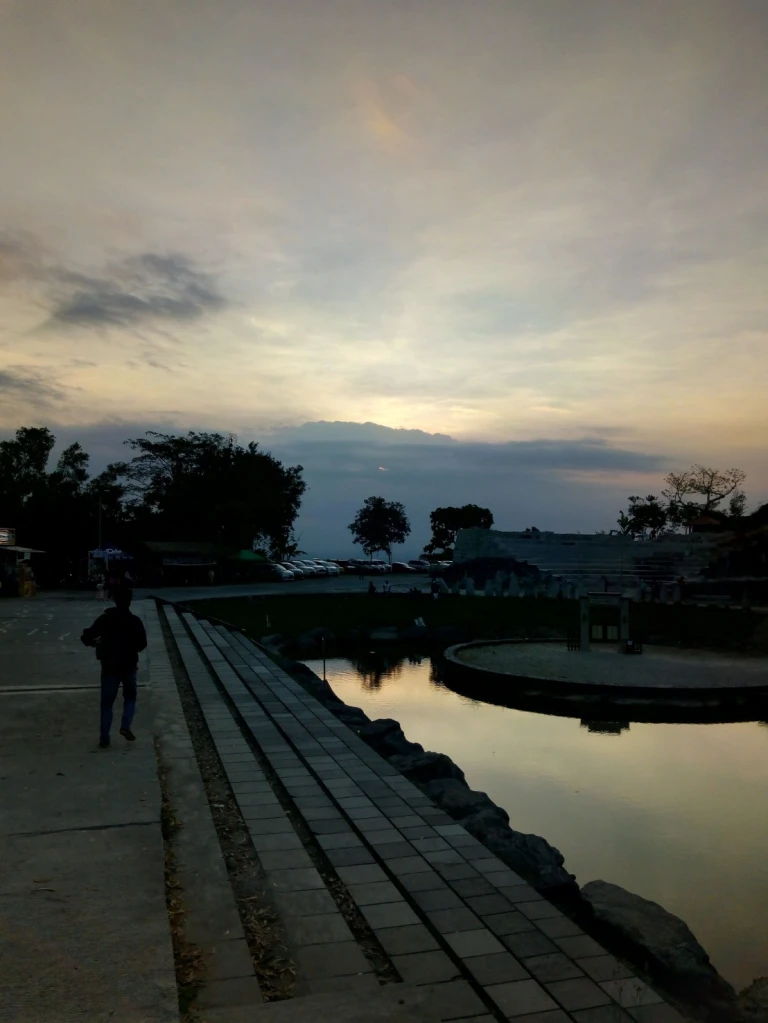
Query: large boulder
column 425, row 767
column 353, row 717
column 486, row 821
column 753, row 1001
column 666, row 941
column 386, row 736
column 529, row 855
column 456, row 798
column 315, row 685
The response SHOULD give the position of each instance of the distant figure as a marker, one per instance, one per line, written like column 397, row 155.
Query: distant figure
column 100, row 587
column 435, row 587
column 387, row 587
column 119, row 637
column 211, row 576
column 26, row 579
column 371, row 589
column 361, row 572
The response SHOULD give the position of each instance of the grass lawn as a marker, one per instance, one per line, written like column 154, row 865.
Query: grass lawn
column 484, row 617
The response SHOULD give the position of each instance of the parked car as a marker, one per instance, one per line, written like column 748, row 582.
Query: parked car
column 300, row 570
column 310, row 567
column 401, row 567
column 284, row 574
column 262, row 571
column 384, row 566
column 317, row 569
column 366, row 567
column 329, row 566
column 420, row 566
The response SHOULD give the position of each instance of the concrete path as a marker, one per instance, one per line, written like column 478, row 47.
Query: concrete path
column 467, row 938
column 658, row 667
column 83, row 926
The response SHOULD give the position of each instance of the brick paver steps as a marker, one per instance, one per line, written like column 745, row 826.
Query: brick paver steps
column 445, row 911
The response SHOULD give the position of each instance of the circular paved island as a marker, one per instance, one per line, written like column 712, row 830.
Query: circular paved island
column 514, row 672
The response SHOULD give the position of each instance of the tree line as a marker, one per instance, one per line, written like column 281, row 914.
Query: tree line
column 182, row 487
column 208, row 486
column 193, row 486
column 698, row 491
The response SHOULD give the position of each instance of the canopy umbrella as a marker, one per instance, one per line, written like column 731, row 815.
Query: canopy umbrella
column 111, row 554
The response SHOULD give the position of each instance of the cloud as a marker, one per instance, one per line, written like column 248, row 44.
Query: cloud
column 499, row 221
column 564, row 485
column 343, row 447
column 137, row 289
column 30, row 389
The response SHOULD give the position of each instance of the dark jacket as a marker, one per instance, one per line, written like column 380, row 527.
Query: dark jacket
column 120, row 636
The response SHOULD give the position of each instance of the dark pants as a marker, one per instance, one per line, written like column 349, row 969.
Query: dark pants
column 111, row 680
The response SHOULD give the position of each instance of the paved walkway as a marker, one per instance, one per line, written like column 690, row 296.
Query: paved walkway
column 453, row 921
column 320, row 584
column 83, row 926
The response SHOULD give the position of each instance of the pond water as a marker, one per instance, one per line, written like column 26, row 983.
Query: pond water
column 677, row 813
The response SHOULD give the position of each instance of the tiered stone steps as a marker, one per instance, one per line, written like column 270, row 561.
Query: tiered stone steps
column 433, row 926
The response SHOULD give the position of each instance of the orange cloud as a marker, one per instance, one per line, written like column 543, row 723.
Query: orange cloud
column 377, row 115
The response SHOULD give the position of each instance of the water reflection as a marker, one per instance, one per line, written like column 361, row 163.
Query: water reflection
column 672, row 811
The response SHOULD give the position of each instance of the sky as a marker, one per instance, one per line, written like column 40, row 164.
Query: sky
column 536, row 231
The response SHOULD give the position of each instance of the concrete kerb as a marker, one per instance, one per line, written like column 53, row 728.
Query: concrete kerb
column 660, row 695
column 211, row 919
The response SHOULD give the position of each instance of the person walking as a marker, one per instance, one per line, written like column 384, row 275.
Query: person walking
column 119, row 637
column 100, row 587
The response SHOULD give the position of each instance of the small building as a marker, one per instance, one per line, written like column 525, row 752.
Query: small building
column 12, row 558
column 177, row 562
column 709, row 522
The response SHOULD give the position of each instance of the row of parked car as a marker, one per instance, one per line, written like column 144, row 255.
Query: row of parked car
column 305, row 568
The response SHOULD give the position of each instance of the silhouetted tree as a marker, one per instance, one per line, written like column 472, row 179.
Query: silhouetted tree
column 199, row 486
column 446, row 523
column 702, row 481
column 379, row 524
column 52, row 510
column 645, row 518
column 648, row 517
column 207, row 486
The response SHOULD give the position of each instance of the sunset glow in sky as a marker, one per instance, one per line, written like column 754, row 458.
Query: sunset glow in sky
column 505, row 220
